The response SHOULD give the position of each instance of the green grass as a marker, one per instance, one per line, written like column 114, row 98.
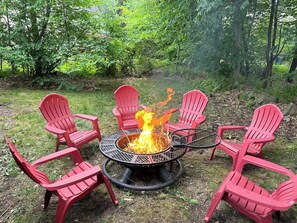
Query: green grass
column 185, row 201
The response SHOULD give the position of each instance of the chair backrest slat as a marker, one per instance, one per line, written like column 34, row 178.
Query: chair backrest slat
column 35, row 174
column 193, row 104
column 55, row 109
column 286, row 191
column 266, row 120
column 126, row 98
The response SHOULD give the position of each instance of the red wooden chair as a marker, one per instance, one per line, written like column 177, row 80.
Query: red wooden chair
column 266, row 120
column 190, row 114
column 60, row 121
column 251, row 199
column 71, row 187
column 127, row 103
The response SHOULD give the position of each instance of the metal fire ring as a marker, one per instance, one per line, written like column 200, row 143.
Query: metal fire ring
column 156, row 186
column 109, row 149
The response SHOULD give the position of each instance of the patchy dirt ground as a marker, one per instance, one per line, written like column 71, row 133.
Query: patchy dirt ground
column 185, row 201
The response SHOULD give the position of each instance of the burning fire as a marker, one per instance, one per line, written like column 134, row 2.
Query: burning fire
column 152, row 138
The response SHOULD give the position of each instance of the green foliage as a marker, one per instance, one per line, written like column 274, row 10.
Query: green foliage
column 59, row 83
column 39, row 35
column 78, row 65
column 135, row 37
column 211, row 83
column 285, row 93
column 225, row 69
column 248, row 99
column 280, row 69
column 283, row 90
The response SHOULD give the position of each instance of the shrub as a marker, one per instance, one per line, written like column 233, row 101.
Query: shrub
column 60, row 83
column 280, row 69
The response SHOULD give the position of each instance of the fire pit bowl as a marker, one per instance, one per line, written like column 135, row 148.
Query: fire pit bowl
column 156, row 170
column 123, row 142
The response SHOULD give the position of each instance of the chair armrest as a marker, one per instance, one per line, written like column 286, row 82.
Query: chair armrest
column 222, row 129
column 94, row 121
column 260, row 140
column 201, row 119
column 73, row 179
column 69, row 151
column 247, row 159
column 86, row 117
column 118, row 115
column 257, row 198
column 116, row 112
column 55, row 130
column 171, row 110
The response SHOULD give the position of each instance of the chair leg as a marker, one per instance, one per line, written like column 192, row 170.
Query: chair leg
column 47, row 197
column 267, row 219
column 189, row 139
column 213, row 205
column 212, row 153
column 99, row 136
column 57, row 145
column 62, row 208
column 110, row 190
column 260, row 155
column 218, row 197
column 277, row 214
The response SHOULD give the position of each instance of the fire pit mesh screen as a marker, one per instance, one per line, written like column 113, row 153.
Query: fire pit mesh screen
column 110, row 150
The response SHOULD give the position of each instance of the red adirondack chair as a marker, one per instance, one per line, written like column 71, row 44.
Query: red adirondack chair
column 190, row 114
column 266, row 120
column 252, row 200
column 71, row 187
column 127, row 103
column 60, row 121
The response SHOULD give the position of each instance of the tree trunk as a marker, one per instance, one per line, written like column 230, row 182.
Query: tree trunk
column 245, row 37
column 237, row 45
column 293, row 65
column 271, row 37
column 294, row 61
column 215, row 61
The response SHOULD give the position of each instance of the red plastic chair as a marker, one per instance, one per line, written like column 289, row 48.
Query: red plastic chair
column 190, row 114
column 251, row 199
column 126, row 98
column 60, row 121
column 266, row 120
column 71, row 187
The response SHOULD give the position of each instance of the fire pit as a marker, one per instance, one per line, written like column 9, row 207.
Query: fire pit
column 148, row 171
column 150, row 154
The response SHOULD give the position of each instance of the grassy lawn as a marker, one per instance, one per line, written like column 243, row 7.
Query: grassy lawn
column 185, row 201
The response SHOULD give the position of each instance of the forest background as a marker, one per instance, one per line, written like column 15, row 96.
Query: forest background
column 231, row 42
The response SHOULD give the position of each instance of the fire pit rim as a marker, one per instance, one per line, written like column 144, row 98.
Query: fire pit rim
column 109, row 150
column 144, row 154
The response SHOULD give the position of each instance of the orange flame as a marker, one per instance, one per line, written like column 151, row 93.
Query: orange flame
column 149, row 140
column 170, row 93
